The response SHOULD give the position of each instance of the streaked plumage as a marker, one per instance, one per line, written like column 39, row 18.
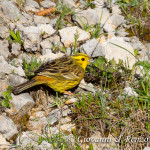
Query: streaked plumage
column 60, row 74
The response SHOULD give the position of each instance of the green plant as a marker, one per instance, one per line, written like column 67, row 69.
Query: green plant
column 30, row 67
column 7, row 97
column 14, row 37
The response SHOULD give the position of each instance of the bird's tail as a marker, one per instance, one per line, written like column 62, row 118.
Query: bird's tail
column 18, row 89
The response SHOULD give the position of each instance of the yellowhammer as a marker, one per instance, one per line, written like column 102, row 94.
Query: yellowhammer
column 60, row 74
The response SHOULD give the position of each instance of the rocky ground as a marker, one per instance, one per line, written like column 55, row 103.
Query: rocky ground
column 106, row 104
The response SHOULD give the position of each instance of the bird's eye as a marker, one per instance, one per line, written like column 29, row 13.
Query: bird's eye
column 83, row 59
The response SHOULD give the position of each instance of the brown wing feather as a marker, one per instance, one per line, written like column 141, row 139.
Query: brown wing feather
column 61, row 68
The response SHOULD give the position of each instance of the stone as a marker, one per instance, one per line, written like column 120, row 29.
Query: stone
column 109, row 28
column 116, row 9
column 18, row 70
column 46, row 44
column 16, row 47
column 32, row 38
column 89, row 17
column 146, row 148
column 67, row 127
column 7, row 127
column 117, row 20
column 4, row 144
column 4, row 86
column 38, row 114
column 46, row 30
column 47, row 4
column 32, row 3
column 11, row 11
column 92, row 48
column 4, row 31
column 70, row 4
column 65, row 120
column 71, row 101
column 37, row 124
column 46, row 51
column 45, row 145
column 20, row 105
column 41, row 20
column 129, row 91
column 116, row 52
column 14, row 80
column 65, row 111
column 68, row 35
column 54, row 116
column 4, row 51
column 88, row 87
column 4, row 66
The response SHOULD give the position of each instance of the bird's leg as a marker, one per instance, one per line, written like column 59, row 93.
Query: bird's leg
column 68, row 93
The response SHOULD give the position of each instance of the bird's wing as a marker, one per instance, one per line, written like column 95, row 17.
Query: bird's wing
column 62, row 68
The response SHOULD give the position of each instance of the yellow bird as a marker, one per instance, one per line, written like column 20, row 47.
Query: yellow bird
column 60, row 74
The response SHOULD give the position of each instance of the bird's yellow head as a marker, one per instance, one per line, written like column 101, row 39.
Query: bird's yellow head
column 81, row 59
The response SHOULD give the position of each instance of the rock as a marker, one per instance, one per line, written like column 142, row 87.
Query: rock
column 14, row 80
column 32, row 38
column 7, row 127
column 46, row 51
column 4, row 144
column 4, row 86
column 47, row 4
column 4, row 66
column 65, row 111
column 41, row 20
column 51, row 130
column 109, row 28
column 11, row 11
column 103, row 15
column 37, row 124
column 54, row 116
column 32, row 3
column 4, row 51
column 53, row 22
column 20, row 105
column 68, row 35
column 71, row 101
column 45, row 145
column 67, row 127
column 116, row 9
column 121, row 32
column 18, row 70
column 146, row 148
column 69, row 4
column 4, row 31
column 38, row 114
column 89, row 17
column 88, row 87
column 46, row 30
column 111, row 51
column 16, row 47
column 90, row 46
column 65, row 120
column 51, row 56
column 28, row 138
column 46, row 44
column 129, row 91
column 27, row 16
column 117, row 20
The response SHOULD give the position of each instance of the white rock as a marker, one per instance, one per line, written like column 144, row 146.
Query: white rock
column 46, row 30
column 51, row 56
column 4, row 86
column 68, row 35
column 46, row 51
column 32, row 3
column 4, row 31
column 45, row 145
column 4, row 66
column 19, row 102
column 71, row 101
column 16, row 49
column 146, row 148
column 11, row 11
column 117, row 20
column 46, row 44
column 69, row 3
column 109, row 28
column 4, row 144
column 37, row 124
column 116, row 52
column 18, row 70
column 92, row 45
column 116, row 9
column 65, row 120
column 7, row 127
column 4, row 51
column 47, row 4
column 41, row 20
column 65, row 111
column 67, row 127
column 89, row 17
column 38, row 114
column 129, row 91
